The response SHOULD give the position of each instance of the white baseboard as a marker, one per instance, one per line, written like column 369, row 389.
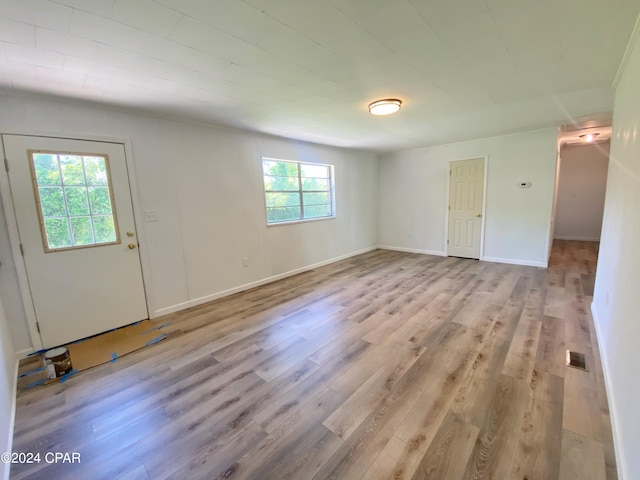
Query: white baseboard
column 214, row 296
column 413, row 250
column 512, row 261
column 12, row 420
column 617, row 441
column 486, row 259
column 580, row 239
column 24, row 353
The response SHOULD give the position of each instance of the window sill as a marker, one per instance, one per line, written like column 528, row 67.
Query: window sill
column 306, row 220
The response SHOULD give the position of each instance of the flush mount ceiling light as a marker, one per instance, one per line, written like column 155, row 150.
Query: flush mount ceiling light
column 589, row 137
column 385, row 106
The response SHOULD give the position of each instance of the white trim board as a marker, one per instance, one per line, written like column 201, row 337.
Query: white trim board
column 24, row 353
column 413, row 250
column 512, row 261
column 12, row 420
column 214, row 296
column 18, row 259
column 617, row 441
column 580, row 239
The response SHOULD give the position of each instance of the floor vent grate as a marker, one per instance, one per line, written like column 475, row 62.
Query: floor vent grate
column 576, row 360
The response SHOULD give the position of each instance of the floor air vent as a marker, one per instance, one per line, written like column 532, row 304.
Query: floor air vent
column 576, row 360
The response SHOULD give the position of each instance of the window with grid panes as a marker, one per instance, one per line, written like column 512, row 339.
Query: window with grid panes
column 297, row 191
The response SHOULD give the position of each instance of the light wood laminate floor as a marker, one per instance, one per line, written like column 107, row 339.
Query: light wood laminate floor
column 387, row 365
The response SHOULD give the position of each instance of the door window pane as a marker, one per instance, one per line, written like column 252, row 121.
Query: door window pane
column 75, row 201
column 72, row 171
column 82, row 230
column 57, row 232
column 95, row 170
column 104, row 229
column 100, row 200
column 47, row 170
column 52, row 202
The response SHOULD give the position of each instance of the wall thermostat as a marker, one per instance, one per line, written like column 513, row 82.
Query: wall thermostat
column 524, row 184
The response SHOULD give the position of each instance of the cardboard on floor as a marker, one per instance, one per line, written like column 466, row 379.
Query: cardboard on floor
column 96, row 350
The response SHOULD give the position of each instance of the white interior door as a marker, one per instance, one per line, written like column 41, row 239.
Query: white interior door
column 75, row 220
column 465, row 208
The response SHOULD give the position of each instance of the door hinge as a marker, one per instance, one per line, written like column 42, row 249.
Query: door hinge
column 6, row 164
column 38, row 327
column 449, row 207
column 449, row 172
column 447, row 241
column 21, row 250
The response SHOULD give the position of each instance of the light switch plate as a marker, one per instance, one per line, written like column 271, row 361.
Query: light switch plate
column 150, row 216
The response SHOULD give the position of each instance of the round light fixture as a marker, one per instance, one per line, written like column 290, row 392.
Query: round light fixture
column 589, row 137
column 385, row 106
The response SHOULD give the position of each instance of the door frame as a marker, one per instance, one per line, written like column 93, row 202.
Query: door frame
column 14, row 235
column 484, row 201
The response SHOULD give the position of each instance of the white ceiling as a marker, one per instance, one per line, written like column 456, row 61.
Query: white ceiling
column 306, row 69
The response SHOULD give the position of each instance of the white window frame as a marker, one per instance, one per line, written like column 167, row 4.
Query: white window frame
column 300, row 191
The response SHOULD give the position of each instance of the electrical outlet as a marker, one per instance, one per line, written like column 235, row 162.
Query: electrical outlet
column 245, row 262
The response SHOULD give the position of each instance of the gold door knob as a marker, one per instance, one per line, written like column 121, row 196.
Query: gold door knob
column 478, row 215
column 132, row 246
column 130, row 233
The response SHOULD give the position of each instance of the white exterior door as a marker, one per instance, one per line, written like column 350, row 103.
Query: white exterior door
column 75, row 220
column 465, row 208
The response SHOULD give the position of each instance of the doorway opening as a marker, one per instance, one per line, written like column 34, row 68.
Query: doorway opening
column 581, row 181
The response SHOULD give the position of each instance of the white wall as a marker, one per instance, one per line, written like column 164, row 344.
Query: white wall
column 7, row 389
column 413, row 196
column 581, row 190
column 615, row 305
column 206, row 185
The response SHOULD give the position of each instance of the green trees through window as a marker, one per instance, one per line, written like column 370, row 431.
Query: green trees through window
column 75, row 199
column 297, row 191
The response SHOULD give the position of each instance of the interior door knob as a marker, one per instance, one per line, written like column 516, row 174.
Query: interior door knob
column 132, row 246
column 478, row 215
